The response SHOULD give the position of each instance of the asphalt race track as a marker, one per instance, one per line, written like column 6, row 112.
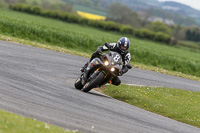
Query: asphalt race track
column 38, row 83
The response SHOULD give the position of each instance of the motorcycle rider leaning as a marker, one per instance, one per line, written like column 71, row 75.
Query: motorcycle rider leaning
column 121, row 47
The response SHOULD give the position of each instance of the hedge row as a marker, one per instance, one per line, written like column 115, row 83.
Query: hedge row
column 44, row 34
column 72, row 40
column 105, row 25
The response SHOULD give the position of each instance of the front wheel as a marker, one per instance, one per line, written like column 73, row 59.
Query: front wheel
column 93, row 82
column 78, row 85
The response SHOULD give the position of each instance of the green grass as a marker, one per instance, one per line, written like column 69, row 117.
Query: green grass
column 181, row 105
column 86, row 39
column 12, row 123
column 66, row 37
column 189, row 45
column 88, row 55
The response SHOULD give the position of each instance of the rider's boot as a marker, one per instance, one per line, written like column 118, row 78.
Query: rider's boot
column 84, row 67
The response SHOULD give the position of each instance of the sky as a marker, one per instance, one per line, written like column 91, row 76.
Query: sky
column 192, row 3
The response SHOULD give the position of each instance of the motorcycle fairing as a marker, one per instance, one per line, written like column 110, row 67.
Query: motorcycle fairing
column 95, row 63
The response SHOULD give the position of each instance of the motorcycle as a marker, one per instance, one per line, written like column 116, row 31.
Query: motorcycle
column 100, row 71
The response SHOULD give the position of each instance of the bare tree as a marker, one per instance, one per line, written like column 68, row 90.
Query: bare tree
column 124, row 15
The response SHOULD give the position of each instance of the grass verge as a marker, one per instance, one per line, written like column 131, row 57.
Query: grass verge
column 88, row 54
column 87, row 39
column 180, row 105
column 12, row 123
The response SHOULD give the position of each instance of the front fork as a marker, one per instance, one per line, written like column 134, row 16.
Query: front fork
column 94, row 64
column 84, row 80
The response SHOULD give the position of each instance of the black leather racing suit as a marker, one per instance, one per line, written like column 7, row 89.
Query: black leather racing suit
column 126, row 57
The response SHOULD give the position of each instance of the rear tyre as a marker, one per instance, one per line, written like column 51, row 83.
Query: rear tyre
column 94, row 82
column 78, row 84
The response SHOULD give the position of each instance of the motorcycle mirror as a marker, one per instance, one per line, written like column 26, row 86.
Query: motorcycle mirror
column 129, row 66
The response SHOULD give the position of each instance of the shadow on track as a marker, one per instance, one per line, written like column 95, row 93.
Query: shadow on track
column 98, row 94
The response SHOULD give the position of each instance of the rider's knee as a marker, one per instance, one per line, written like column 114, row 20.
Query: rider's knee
column 116, row 81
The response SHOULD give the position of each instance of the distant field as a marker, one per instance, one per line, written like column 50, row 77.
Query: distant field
column 86, row 39
column 91, row 16
column 90, row 10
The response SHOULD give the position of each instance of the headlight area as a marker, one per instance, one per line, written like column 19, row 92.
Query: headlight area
column 106, row 63
column 112, row 69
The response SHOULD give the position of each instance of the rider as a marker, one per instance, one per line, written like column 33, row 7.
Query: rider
column 122, row 48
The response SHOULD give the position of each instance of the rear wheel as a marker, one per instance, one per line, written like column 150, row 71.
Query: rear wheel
column 78, row 84
column 94, row 82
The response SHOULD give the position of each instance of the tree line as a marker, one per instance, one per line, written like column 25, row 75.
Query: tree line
column 104, row 25
column 45, row 4
column 193, row 34
column 120, row 13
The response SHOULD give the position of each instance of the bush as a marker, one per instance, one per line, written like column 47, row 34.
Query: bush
column 36, row 10
column 161, row 37
column 84, row 21
column 109, row 25
column 144, row 33
column 173, row 41
column 105, row 25
column 52, row 14
column 64, row 17
column 73, row 18
column 17, row 7
column 97, row 24
column 126, row 29
column 48, row 13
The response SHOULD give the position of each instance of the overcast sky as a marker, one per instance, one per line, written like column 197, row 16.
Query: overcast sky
column 192, row 3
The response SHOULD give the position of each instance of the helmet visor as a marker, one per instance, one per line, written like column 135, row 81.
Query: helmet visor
column 124, row 48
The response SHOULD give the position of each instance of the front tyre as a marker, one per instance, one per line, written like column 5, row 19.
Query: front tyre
column 78, row 84
column 93, row 82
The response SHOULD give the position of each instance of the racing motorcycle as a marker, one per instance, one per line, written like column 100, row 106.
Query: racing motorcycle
column 100, row 71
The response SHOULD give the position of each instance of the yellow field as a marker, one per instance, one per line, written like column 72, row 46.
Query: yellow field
column 91, row 16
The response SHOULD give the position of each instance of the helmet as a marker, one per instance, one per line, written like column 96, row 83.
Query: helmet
column 123, row 44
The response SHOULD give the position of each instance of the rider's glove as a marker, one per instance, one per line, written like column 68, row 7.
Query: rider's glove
column 124, row 70
column 107, row 45
column 99, row 52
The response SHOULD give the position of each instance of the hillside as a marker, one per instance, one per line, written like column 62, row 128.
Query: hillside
column 181, row 9
column 172, row 9
column 138, row 4
column 167, row 11
column 86, row 39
